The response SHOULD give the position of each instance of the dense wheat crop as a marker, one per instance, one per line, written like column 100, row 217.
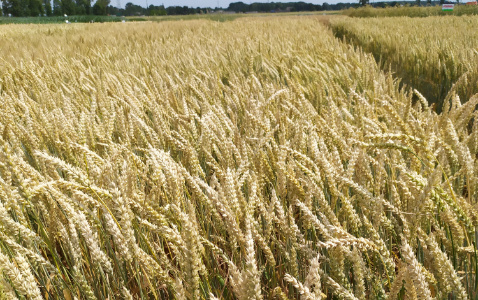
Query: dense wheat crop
column 431, row 54
column 259, row 158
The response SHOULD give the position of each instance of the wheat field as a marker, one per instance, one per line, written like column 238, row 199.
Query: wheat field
column 434, row 54
column 260, row 158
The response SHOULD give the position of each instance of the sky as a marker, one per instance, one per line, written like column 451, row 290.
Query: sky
column 211, row 3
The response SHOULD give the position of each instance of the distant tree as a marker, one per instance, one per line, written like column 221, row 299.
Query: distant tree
column 131, row 9
column 83, row 7
column 35, row 8
column 47, row 7
column 101, row 7
column 5, row 7
column 8, row 6
column 238, row 7
column 79, row 8
column 17, row 8
column 67, row 7
column 156, row 10
column 180, row 10
column 114, row 11
column 56, row 10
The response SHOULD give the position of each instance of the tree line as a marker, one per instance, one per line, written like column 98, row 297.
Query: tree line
column 24, row 8
column 273, row 7
column 241, row 7
column 238, row 7
column 27, row 8
column 152, row 10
